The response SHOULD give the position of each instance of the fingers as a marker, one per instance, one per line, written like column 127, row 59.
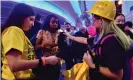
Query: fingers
column 86, row 53
column 87, row 56
column 53, row 60
column 64, row 34
column 56, row 60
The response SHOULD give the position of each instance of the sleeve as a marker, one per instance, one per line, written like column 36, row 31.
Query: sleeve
column 56, row 38
column 39, row 34
column 113, row 53
column 13, row 38
column 90, row 41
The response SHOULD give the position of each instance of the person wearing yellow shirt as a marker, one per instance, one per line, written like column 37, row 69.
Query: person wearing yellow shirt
column 18, row 55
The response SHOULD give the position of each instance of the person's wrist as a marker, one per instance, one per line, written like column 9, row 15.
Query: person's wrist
column 68, row 35
column 71, row 37
column 95, row 67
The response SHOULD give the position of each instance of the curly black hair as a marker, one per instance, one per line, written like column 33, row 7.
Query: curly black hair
column 46, row 23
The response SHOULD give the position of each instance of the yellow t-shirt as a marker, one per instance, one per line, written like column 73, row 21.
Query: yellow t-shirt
column 14, row 37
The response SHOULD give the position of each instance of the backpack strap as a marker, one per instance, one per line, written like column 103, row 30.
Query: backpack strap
column 102, row 41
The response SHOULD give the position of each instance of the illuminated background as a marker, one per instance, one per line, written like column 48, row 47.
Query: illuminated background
column 72, row 11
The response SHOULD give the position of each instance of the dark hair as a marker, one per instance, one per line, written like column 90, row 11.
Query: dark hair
column 46, row 23
column 38, row 17
column 129, row 24
column 118, row 14
column 96, row 16
column 67, row 23
column 18, row 14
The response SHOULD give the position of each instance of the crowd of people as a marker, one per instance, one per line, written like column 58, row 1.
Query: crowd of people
column 34, row 51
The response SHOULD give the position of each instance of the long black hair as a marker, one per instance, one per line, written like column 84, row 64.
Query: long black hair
column 18, row 14
column 46, row 23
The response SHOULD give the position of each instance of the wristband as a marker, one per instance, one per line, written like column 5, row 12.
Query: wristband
column 43, row 61
column 40, row 62
column 96, row 69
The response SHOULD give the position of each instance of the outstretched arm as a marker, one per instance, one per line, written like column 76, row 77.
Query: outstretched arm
column 77, row 39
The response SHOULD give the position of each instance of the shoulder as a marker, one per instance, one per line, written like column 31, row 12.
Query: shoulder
column 108, row 38
column 13, row 30
column 112, row 42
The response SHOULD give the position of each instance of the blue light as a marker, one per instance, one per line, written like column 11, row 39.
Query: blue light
column 76, row 7
column 126, row 7
column 49, row 7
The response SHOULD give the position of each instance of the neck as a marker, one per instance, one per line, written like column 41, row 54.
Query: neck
column 23, row 29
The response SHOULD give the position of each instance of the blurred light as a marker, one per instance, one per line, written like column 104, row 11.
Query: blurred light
column 76, row 7
column 83, row 22
column 90, row 4
column 120, row 2
column 49, row 7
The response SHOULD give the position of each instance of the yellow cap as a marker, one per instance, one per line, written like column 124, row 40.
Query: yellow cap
column 106, row 9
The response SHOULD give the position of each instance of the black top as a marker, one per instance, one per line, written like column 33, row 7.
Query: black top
column 79, row 49
column 129, row 33
column 112, row 56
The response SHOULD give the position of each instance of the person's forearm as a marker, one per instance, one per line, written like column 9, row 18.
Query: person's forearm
column 106, row 72
column 21, row 65
column 79, row 39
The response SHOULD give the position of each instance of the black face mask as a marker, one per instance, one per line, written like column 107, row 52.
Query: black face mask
column 121, row 26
